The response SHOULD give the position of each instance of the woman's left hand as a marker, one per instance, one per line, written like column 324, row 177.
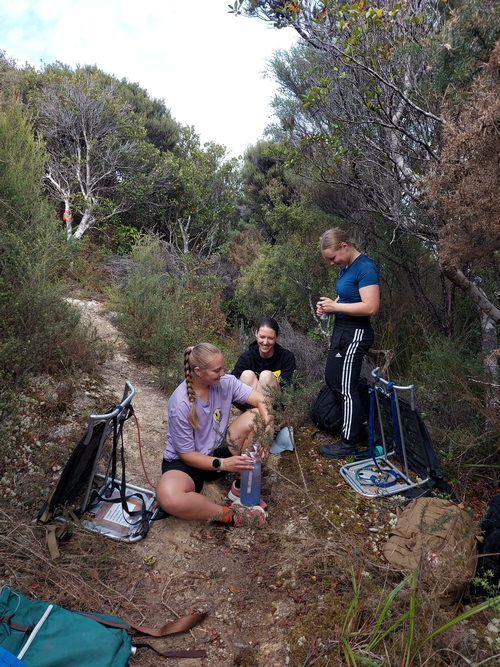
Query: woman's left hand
column 263, row 452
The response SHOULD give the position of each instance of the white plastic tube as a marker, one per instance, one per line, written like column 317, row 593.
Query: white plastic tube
column 35, row 631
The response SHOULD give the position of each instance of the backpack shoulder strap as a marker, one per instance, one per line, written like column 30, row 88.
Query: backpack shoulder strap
column 179, row 625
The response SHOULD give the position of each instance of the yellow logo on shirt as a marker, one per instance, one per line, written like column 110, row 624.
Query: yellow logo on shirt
column 278, row 375
column 217, row 416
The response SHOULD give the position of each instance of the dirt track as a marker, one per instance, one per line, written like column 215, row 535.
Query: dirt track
column 235, row 575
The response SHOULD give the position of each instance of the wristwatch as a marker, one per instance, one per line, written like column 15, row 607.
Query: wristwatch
column 216, row 464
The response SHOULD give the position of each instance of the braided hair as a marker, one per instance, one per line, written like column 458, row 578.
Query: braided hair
column 196, row 356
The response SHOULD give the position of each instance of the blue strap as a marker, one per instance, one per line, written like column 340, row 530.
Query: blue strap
column 395, row 420
column 387, row 474
column 383, row 477
column 371, row 421
column 371, row 429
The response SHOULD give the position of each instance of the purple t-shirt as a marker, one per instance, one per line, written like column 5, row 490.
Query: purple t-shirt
column 213, row 416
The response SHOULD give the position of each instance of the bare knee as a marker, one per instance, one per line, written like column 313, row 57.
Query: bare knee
column 240, row 428
column 171, row 491
column 167, row 500
column 249, row 378
column 268, row 379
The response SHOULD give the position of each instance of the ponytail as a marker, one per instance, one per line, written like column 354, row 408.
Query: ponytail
column 198, row 355
column 193, row 415
column 332, row 239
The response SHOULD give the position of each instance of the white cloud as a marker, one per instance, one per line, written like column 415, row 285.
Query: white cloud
column 205, row 63
column 15, row 8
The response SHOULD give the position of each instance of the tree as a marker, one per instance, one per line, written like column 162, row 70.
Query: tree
column 161, row 129
column 39, row 329
column 286, row 279
column 98, row 158
column 200, row 202
column 10, row 77
column 361, row 108
column 267, row 185
column 463, row 191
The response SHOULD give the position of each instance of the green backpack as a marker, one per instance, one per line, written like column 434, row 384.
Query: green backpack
column 46, row 635
column 41, row 634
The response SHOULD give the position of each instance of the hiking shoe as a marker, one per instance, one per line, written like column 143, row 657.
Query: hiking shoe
column 235, row 495
column 248, row 517
column 339, row 450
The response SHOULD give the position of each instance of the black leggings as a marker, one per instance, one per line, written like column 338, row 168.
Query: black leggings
column 350, row 342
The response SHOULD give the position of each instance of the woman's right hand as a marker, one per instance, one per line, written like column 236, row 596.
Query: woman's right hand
column 237, row 464
column 320, row 306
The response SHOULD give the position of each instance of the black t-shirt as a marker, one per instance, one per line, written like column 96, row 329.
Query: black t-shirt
column 282, row 363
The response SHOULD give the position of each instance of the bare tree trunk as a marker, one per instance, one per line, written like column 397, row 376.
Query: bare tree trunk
column 185, row 234
column 449, row 305
column 489, row 343
column 474, row 292
column 86, row 222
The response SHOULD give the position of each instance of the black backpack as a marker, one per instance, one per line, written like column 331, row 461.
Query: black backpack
column 326, row 413
column 488, row 567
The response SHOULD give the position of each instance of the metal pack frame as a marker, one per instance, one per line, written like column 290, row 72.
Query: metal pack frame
column 115, row 508
column 110, row 505
column 380, row 476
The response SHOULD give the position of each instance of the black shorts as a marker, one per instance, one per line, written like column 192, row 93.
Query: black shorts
column 197, row 475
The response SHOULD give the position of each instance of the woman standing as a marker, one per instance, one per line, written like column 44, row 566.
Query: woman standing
column 200, row 439
column 358, row 298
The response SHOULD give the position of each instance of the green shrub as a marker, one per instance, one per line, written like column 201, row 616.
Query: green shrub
column 452, row 389
column 39, row 330
column 149, row 313
column 167, row 304
column 285, row 281
column 199, row 296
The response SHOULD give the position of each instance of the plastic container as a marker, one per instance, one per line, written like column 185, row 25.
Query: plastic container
column 360, row 456
column 250, row 483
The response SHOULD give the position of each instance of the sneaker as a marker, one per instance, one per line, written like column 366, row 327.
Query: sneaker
column 339, row 450
column 235, row 496
column 248, row 517
column 234, row 493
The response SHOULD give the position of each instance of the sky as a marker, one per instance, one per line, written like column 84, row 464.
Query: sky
column 206, row 64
